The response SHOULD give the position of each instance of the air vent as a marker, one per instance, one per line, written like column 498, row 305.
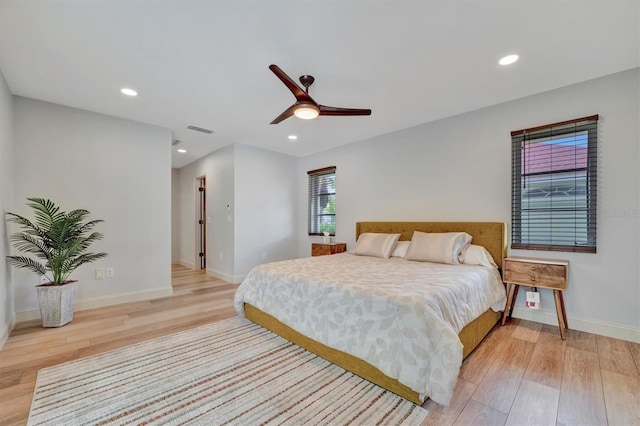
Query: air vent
column 199, row 129
column 176, row 142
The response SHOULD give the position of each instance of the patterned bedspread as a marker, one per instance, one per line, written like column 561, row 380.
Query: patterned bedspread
column 402, row 317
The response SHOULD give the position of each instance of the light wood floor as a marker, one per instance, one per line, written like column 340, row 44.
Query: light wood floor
column 521, row 374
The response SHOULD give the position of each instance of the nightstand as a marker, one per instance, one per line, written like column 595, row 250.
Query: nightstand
column 535, row 272
column 319, row 249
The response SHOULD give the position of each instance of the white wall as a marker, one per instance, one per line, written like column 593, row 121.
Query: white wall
column 7, row 311
column 265, row 196
column 250, row 210
column 117, row 169
column 460, row 169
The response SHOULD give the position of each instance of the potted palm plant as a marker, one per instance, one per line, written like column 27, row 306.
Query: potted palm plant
column 60, row 241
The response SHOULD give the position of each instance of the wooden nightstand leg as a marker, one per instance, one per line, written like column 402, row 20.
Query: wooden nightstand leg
column 511, row 300
column 557, row 295
column 564, row 313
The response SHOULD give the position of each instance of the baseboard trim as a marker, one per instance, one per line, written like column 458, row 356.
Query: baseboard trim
column 233, row 279
column 602, row 328
column 99, row 302
column 185, row 263
column 6, row 332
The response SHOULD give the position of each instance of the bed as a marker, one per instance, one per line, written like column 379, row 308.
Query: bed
column 349, row 342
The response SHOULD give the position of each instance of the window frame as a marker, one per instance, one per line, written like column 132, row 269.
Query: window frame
column 520, row 223
column 313, row 202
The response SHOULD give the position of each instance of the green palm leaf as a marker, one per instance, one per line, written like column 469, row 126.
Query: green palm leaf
column 27, row 263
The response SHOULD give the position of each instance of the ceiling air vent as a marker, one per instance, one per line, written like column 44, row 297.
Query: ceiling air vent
column 199, row 129
column 176, row 142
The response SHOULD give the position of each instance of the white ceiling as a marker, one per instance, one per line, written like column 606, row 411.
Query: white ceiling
column 205, row 63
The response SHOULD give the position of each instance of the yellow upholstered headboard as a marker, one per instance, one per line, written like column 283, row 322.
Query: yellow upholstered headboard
column 491, row 235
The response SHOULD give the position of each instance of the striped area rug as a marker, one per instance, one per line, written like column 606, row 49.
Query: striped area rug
column 230, row 372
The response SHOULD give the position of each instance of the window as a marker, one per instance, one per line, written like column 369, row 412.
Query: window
column 554, row 186
column 322, row 201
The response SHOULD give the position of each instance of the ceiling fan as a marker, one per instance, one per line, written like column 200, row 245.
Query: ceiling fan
column 305, row 107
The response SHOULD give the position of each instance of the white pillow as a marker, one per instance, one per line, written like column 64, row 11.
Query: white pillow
column 401, row 249
column 437, row 247
column 376, row 245
column 478, row 255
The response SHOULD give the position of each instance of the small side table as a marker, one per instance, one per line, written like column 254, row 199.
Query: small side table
column 535, row 272
column 320, row 249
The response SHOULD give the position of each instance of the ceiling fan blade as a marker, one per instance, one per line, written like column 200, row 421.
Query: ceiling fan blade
column 328, row 110
column 286, row 114
column 297, row 91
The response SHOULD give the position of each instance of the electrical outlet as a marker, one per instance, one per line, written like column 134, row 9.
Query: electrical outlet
column 109, row 272
column 99, row 273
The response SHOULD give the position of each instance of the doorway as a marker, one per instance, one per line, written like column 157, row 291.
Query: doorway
column 202, row 221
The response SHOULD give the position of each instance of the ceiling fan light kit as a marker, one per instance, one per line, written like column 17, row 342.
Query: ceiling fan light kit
column 306, row 110
column 305, row 107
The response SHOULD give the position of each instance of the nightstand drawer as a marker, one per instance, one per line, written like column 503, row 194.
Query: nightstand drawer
column 318, row 249
column 535, row 274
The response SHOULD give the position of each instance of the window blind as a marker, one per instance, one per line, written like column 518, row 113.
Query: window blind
column 554, row 186
column 322, row 201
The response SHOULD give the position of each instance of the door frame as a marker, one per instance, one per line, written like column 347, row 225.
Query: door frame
column 200, row 233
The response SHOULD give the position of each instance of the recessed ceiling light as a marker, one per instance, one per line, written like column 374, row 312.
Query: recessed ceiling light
column 508, row 60
column 182, row 151
column 129, row 92
column 292, row 137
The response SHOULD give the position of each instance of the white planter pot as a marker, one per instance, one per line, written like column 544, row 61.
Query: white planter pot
column 56, row 303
